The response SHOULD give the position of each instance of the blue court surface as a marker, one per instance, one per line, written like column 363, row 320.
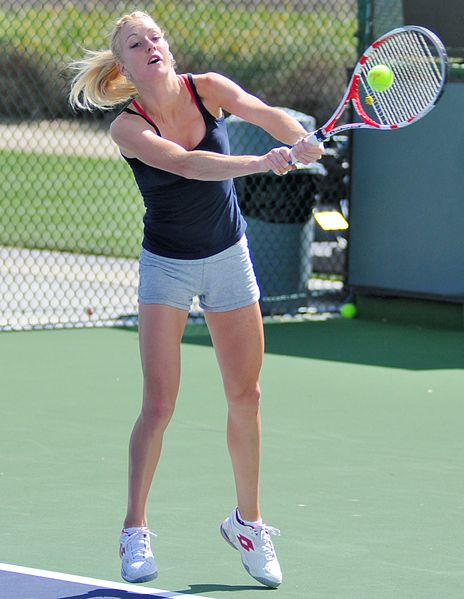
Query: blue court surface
column 17, row 582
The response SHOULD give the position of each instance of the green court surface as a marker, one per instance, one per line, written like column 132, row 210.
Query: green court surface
column 363, row 465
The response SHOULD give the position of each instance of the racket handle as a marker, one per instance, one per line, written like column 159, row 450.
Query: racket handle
column 314, row 139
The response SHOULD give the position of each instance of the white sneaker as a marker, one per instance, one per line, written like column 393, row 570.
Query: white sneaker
column 256, row 549
column 138, row 563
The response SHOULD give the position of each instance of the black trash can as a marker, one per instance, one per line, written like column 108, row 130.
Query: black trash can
column 278, row 213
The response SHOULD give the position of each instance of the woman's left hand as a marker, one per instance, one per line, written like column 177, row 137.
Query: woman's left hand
column 306, row 152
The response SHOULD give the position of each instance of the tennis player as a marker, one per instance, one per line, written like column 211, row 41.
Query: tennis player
column 172, row 133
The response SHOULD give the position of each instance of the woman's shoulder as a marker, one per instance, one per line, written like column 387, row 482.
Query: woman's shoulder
column 121, row 127
column 214, row 90
column 119, row 122
column 208, row 81
column 216, row 86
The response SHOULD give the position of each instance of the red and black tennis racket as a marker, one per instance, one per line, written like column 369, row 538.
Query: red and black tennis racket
column 417, row 63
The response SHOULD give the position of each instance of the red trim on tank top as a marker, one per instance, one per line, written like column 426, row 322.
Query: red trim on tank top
column 143, row 113
column 185, row 79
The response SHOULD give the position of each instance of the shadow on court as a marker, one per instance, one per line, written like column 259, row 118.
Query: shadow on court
column 21, row 585
column 194, row 589
column 107, row 593
column 359, row 342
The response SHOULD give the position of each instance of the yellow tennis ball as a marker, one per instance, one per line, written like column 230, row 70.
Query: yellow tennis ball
column 348, row 311
column 380, row 78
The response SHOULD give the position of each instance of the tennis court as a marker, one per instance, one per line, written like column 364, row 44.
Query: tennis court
column 362, row 467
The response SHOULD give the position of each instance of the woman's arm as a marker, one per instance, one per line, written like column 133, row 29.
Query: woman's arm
column 218, row 91
column 136, row 139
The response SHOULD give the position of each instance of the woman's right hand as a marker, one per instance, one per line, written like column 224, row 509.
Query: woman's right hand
column 279, row 161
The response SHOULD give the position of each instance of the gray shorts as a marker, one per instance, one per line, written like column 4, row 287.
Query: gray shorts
column 223, row 282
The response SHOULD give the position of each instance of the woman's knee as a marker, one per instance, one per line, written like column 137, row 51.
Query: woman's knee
column 157, row 408
column 244, row 398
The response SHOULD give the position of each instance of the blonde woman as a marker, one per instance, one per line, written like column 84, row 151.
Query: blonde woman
column 172, row 133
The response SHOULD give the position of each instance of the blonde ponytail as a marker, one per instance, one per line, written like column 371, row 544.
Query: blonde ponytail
column 98, row 83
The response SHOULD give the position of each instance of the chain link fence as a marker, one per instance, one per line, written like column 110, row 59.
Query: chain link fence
column 70, row 213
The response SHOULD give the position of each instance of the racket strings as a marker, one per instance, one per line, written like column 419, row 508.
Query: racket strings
column 417, row 72
column 410, row 96
column 403, row 101
column 415, row 79
column 425, row 74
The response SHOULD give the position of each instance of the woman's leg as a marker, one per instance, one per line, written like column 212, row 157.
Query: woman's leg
column 239, row 343
column 160, row 332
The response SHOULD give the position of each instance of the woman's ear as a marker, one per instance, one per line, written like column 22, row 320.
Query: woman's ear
column 122, row 70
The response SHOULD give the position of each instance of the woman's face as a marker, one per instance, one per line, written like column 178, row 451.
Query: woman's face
column 144, row 50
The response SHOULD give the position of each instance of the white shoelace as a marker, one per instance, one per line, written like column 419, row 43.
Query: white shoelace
column 264, row 532
column 137, row 543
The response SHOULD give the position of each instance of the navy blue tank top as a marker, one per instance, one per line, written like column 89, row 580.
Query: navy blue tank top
column 186, row 218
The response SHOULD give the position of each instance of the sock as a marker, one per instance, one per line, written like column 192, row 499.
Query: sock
column 248, row 522
column 129, row 531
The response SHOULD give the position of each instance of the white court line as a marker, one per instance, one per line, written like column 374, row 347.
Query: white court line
column 106, row 584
